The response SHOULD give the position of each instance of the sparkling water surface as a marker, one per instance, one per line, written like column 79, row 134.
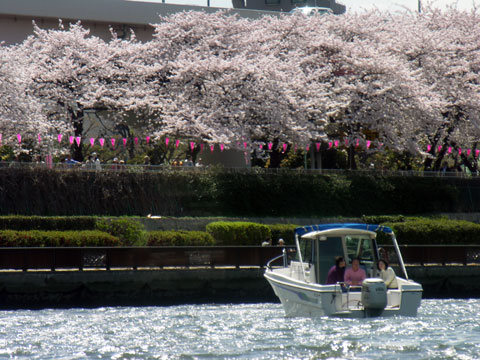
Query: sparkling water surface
column 444, row 329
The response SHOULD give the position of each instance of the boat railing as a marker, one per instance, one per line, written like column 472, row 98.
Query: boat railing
column 283, row 256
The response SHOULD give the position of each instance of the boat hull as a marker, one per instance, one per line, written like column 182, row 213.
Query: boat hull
column 302, row 299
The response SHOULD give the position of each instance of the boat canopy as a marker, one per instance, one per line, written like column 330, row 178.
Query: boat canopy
column 338, row 232
column 322, row 227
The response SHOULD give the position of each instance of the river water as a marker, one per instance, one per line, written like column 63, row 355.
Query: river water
column 444, row 329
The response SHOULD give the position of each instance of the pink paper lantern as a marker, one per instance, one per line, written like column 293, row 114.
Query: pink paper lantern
column 212, row 147
column 101, row 141
column 19, row 138
column 459, row 151
column 270, row 145
column 346, row 142
column 92, row 141
column 318, row 146
column 476, row 153
column 245, row 145
column 148, row 139
column 429, row 147
column 112, row 141
column 284, row 146
column 468, row 152
column 260, row 146
column 71, row 139
column 78, row 139
column 177, row 143
column 59, row 138
column 135, row 140
column 336, row 143
column 307, row 148
column 330, row 144
column 192, row 145
column 368, row 144
column 222, row 147
column 124, row 142
column 449, row 149
column 357, row 143
column 39, row 137
column 167, row 140
column 439, row 148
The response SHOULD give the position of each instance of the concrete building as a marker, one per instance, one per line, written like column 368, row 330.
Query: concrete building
column 287, row 5
column 16, row 16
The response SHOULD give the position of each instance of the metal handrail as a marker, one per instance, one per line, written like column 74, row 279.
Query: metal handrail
column 283, row 255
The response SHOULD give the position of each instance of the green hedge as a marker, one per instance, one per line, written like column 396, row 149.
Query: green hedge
column 60, row 223
column 128, row 231
column 238, row 233
column 36, row 238
column 215, row 192
column 436, row 231
column 380, row 219
column 179, row 238
column 283, row 231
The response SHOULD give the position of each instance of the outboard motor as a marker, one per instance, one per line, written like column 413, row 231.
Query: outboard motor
column 374, row 296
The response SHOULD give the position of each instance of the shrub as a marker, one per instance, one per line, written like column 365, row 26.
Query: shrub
column 129, row 231
column 438, row 231
column 283, row 231
column 380, row 219
column 179, row 238
column 36, row 238
column 238, row 233
column 64, row 223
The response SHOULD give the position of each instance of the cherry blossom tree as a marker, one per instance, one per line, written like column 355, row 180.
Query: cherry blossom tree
column 401, row 81
column 20, row 112
column 444, row 48
column 62, row 68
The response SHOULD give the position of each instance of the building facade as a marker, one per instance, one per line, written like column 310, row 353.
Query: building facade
column 16, row 16
column 287, row 5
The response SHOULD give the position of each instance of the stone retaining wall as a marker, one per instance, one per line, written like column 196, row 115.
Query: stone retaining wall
column 46, row 289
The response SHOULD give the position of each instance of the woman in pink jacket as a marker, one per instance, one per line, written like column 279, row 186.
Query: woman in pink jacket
column 355, row 275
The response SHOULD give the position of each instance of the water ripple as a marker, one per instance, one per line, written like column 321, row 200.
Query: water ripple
column 444, row 329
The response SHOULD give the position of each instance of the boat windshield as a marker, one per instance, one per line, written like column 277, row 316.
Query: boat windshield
column 306, row 248
column 320, row 252
column 360, row 247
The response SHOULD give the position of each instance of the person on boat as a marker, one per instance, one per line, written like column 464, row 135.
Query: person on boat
column 355, row 275
column 387, row 274
column 337, row 271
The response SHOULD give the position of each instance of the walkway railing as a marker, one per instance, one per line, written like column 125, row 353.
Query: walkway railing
column 134, row 257
column 424, row 255
column 108, row 258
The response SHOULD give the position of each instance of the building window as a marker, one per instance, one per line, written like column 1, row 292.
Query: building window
column 272, row 2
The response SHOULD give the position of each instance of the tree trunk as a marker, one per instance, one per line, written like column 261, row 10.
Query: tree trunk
column 78, row 127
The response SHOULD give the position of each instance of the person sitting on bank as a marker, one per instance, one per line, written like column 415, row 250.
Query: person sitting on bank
column 355, row 275
column 336, row 273
column 387, row 274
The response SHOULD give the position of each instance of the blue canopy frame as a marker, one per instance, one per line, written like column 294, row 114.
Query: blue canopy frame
column 321, row 227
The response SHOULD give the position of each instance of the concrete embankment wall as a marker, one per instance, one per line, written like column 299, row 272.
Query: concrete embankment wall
column 94, row 288
column 132, row 287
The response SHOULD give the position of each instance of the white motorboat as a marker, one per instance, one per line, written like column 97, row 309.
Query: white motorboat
column 300, row 283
